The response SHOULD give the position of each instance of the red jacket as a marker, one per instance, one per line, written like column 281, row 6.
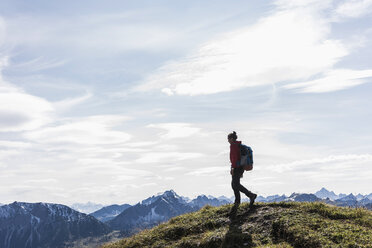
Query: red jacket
column 235, row 153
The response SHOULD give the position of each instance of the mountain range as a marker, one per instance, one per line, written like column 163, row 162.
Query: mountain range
column 156, row 209
column 32, row 225
column 39, row 225
column 326, row 196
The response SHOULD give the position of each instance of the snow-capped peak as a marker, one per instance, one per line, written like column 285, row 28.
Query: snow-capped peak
column 40, row 209
column 323, row 193
column 168, row 195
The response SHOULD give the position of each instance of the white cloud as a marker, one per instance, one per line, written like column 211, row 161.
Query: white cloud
column 68, row 103
column 14, row 144
column 169, row 157
column 299, row 164
column 2, row 31
column 38, row 64
column 208, row 171
column 5, row 154
column 21, row 111
column 41, row 181
column 304, row 3
column 142, row 144
column 354, row 8
column 291, row 44
column 90, row 131
column 92, row 34
column 333, row 80
column 176, row 130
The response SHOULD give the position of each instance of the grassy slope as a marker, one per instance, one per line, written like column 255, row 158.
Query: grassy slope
column 265, row 225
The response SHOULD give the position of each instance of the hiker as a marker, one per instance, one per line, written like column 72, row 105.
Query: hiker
column 237, row 171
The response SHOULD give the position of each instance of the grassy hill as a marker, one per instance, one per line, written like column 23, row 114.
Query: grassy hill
column 265, row 225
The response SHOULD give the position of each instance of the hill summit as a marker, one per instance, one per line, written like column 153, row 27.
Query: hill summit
column 284, row 224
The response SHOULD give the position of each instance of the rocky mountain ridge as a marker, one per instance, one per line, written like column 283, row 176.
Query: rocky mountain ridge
column 36, row 225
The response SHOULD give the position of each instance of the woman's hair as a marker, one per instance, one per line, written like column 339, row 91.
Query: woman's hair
column 232, row 135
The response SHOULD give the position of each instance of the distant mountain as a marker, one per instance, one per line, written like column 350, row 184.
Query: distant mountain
column 342, row 195
column 37, row 225
column 260, row 199
column 278, row 199
column 347, row 201
column 324, row 194
column 365, row 201
column 87, row 208
column 303, row 197
column 359, row 197
column 349, row 197
column 268, row 198
column 150, row 212
column 368, row 206
column 224, row 198
column 157, row 209
column 108, row 213
column 203, row 200
column 369, row 196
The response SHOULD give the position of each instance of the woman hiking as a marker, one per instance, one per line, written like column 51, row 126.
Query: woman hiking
column 237, row 171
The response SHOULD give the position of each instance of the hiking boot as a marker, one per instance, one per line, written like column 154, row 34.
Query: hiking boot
column 252, row 200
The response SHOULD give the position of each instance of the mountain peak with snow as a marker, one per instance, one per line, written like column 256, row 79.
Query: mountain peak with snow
column 36, row 225
column 323, row 193
column 167, row 195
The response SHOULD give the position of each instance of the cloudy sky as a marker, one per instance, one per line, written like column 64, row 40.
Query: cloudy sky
column 114, row 101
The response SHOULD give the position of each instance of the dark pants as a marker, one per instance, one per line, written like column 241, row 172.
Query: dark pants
column 237, row 187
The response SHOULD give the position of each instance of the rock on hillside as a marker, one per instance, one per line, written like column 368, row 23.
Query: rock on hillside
column 285, row 224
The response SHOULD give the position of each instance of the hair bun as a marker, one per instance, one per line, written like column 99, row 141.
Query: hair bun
column 232, row 135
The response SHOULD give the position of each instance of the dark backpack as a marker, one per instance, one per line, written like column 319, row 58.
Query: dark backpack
column 246, row 157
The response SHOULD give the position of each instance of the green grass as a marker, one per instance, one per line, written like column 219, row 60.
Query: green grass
column 275, row 225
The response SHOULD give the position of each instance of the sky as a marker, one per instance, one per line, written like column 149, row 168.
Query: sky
column 114, row 101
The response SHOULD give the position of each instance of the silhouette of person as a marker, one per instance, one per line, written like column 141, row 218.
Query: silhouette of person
column 237, row 171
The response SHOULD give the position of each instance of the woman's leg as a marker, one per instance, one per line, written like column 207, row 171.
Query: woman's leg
column 235, row 183
column 237, row 187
